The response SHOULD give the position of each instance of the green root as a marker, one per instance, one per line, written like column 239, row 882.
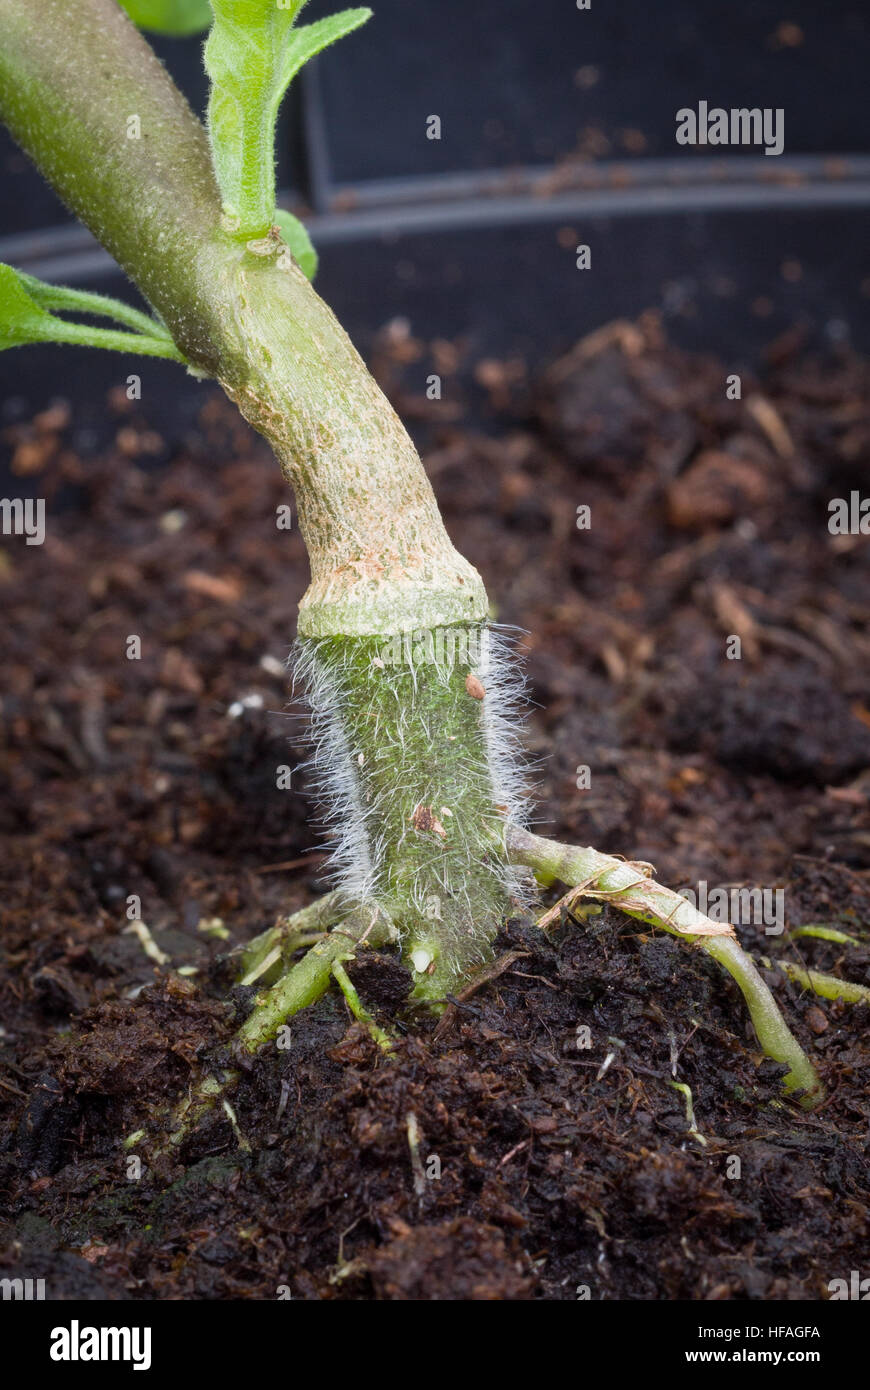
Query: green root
column 204, row 1094
column 772, row 1031
column 823, row 933
column 302, row 983
column 825, row 986
column 691, row 1126
column 358, row 1009
column 309, row 978
column 630, row 888
column 270, row 954
column 406, row 749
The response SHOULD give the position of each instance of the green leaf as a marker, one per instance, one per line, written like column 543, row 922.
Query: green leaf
column 21, row 319
column 175, row 17
column 295, row 233
column 252, row 55
column 25, row 317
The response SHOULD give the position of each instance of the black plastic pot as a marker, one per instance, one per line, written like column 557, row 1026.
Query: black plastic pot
column 557, row 129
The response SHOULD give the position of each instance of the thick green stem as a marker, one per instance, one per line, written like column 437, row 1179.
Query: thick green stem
column 382, row 564
column 627, row 888
column 404, row 735
column 381, row 559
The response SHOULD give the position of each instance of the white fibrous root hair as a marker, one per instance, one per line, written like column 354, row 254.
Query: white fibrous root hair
column 417, row 762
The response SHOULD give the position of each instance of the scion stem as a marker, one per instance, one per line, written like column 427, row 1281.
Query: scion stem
column 381, row 559
column 72, row 80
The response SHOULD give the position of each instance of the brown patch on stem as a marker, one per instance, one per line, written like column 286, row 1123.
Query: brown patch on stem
column 423, row 819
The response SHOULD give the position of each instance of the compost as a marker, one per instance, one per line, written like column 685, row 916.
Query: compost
column 530, row 1144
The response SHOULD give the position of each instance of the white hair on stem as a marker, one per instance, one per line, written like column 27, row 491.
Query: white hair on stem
column 503, row 711
column 369, row 799
column 336, row 781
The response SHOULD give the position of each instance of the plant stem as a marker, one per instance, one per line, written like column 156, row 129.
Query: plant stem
column 70, row 79
column 401, row 755
column 72, row 301
column 381, row 559
column 116, row 339
column 604, row 878
column 382, row 563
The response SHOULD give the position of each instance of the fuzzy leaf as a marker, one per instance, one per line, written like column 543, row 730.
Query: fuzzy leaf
column 175, row 17
column 21, row 319
column 295, row 233
column 252, row 54
column 25, row 317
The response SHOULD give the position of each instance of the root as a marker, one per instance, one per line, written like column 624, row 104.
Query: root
column 631, row 889
column 358, row 1009
column 261, row 959
column 628, row 885
column 300, row 985
column 336, row 928
column 825, row 986
column 691, row 1125
column 308, row 979
column 823, row 933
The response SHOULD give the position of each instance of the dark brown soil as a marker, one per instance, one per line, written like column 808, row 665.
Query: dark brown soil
column 709, row 520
